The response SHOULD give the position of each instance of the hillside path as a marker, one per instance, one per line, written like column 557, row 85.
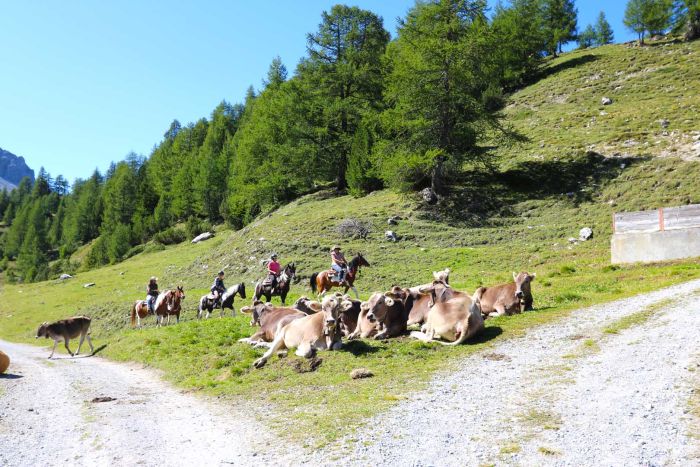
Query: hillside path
column 567, row 393
column 47, row 417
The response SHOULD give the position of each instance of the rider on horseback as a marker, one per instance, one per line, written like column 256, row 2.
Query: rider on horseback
column 338, row 263
column 218, row 288
column 152, row 294
column 273, row 270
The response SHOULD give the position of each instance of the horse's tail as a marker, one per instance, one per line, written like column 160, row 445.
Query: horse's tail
column 313, row 282
column 133, row 314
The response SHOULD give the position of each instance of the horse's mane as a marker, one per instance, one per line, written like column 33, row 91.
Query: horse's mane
column 160, row 299
column 353, row 262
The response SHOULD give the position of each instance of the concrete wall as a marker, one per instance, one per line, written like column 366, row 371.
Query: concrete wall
column 648, row 247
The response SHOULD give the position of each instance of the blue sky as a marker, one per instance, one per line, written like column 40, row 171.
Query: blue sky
column 83, row 83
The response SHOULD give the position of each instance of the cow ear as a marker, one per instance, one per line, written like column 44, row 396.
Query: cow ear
column 347, row 305
column 316, row 306
column 425, row 289
column 246, row 309
column 364, row 306
column 532, row 276
column 515, row 275
column 389, row 301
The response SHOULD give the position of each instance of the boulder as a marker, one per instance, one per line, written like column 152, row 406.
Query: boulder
column 429, row 196
column 65, row 276
column 4, row 362
column 585, row 233
column 359, row 373
column 202, row 237
column 606, row 101
column 391, row 236
column 664, row 123
column 89, row 284
column 393, row 220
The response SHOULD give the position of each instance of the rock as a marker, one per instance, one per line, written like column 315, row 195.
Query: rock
column 570, row 194
column 4, row 362
column 623, row 165
column 573, row 240
column 612, row 202
column 664, row 123
column 393, row 220
column 603, row 113
column 429, row 196
column 65, row 276
column 202, row 237
column 391, row 236
column 606, row 101
column 585, row 233
column 359, row 373
column 89, row 284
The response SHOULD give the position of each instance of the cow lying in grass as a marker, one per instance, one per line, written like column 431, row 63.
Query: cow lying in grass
column 418, row 304
column 269, row 319
column 309, row 333
column 382, row 316
column 454, row 320
column 67, row 329
column 438, row 276
column 507, row 299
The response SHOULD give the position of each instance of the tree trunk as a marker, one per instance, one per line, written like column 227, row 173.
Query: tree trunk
column 437, row 178
column 693, row 30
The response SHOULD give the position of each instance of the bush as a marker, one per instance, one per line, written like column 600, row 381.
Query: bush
column 354, row 228
column 98, row 254
column 493, row 99
column 134, row 251
column 196, row 226
column 170, row 236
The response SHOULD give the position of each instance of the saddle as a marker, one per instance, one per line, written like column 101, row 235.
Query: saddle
column 211, row 296
column 267, row 282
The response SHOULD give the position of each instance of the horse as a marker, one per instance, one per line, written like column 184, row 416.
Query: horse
column 169, row 303
column 208, row 303
column 139, row 310
column 323, row 281
column 284, row 282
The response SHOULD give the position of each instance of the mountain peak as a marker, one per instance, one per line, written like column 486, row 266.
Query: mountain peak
column 13, row 169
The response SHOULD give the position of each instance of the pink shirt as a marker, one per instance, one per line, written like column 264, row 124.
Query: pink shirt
column 274, row 267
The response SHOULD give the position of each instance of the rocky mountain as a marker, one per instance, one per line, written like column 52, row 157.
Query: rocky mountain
column 5, row 185
column 13, row 169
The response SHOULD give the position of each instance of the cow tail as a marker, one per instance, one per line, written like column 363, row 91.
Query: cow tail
column 313, row 282
column 133, row 315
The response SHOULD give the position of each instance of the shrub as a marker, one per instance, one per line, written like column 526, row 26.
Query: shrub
column 354, row 228
column 196, row 226
column 170, row 236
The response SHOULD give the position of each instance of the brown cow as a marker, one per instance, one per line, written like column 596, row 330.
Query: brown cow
column 310, row 333
column 506, row 299
column 307, row 305
column 418, row 304
column 270, row 320
column 67, row 329
column 454, row 320
column 382, row 316
column 438, row 276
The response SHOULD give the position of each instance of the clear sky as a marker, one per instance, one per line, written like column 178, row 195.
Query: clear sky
column 84, row 82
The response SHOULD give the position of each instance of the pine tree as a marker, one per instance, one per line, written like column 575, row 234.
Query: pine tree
column 603, row 31
column 276, row 74
column 652, row 16
column 361, row 179
column 587, row 38
column 560, row 21
column 33, row 260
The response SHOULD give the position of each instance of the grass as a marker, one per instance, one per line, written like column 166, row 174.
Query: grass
column 536, row 195
column 636, row 319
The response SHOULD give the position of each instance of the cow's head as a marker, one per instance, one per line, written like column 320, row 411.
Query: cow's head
column 332, row 307
column 307, row 305
column 522, row 283
column 43, row 331
column 442, row 276
column 256, row 311
column 379, row 304
column 439, row 292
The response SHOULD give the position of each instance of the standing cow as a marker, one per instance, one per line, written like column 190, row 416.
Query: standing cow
column 67, row 329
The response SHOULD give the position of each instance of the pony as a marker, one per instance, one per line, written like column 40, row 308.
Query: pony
column 169, row 303
column 208, row 303
column 139, row 310
column 323, row 281
column 284, row 282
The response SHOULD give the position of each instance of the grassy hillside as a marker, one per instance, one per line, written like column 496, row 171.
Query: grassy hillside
column 514, row 213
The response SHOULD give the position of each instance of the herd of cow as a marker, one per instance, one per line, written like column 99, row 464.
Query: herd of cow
column 442, row 313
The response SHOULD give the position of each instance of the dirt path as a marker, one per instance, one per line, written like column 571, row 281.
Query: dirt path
column 564, row 394
column 46, row 417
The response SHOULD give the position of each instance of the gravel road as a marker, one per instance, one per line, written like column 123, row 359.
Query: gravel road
column 563, row 394
column 47, row 417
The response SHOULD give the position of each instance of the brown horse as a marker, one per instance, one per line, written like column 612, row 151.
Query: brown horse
column 139, row 310
column 168, row 303
column 323, row 281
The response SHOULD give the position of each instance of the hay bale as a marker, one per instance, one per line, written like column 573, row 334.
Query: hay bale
column 4, row 362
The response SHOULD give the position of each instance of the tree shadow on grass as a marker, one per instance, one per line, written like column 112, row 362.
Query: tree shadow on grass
column 478, row 197
column 547, row 71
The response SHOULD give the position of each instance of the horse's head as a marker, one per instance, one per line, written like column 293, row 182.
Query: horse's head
column 241, row 289
column 180, row 292
column 361, row 261
column 291, row 271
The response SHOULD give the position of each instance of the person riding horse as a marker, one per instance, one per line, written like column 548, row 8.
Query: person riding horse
column 151, row 294
column 218, row 288
column 273, row 270
column 338, row 263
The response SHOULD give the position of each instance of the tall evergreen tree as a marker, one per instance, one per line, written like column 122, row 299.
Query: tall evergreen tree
column 603, row 31
column 361, row 176
column 33, row 260
column 648, row 16
column 276, row 74
column 435, row 87
column 587, row 38
column 344, row 73
column 560, row 21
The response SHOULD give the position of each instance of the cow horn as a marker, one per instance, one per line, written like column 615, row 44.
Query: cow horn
column 532, row 276
column 515, row 275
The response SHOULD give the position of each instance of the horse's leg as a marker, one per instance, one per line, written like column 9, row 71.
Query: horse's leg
column 178, row 317
column 357, row 295
column 283, row 296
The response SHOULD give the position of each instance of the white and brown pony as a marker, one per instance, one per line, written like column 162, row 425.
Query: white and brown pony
column 209, row 303
column 169, row 303
column 139, row 310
